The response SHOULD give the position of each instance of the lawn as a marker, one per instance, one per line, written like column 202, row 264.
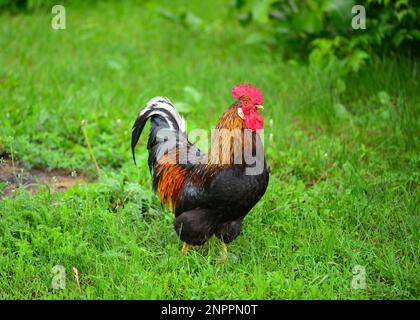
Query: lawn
column 344, row 184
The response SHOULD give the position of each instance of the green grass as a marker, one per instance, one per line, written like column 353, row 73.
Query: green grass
column 344, row 184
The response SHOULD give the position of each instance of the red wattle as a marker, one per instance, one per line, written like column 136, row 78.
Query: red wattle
column 254, row 121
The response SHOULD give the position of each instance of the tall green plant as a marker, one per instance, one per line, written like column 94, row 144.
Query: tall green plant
column 321, row 30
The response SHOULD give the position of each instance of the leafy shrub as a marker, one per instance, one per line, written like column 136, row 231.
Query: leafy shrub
column 16, row 6
column 29, row 6
column 321, row 30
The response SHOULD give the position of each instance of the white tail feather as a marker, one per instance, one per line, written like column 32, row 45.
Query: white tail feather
column 164, row 103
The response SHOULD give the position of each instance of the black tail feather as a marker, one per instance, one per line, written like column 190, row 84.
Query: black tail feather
column 137, row 130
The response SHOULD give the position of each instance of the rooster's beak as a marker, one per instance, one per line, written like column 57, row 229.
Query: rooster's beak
column 260, row 106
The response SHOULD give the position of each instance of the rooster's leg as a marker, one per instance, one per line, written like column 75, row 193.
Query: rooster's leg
column 184, row 248
column 224, row 252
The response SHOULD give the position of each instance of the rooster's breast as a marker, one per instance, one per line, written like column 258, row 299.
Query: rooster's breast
column 230, row 191
column 235, row 189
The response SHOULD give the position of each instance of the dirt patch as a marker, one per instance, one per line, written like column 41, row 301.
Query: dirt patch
column 13, row 176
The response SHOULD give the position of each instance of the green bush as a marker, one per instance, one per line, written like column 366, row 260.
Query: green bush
column 16, row 6
column 321, row 31
column 29, row 6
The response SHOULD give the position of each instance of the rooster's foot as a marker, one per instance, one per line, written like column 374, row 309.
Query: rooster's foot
column 184, row 249
column 223, row 253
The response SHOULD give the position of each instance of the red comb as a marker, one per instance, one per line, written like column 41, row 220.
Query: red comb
column 249, row 91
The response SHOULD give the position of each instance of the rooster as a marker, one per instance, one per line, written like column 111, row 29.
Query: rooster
column 210, row 194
